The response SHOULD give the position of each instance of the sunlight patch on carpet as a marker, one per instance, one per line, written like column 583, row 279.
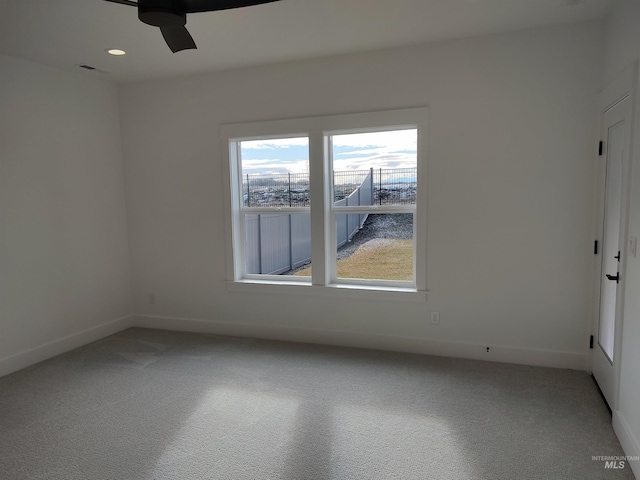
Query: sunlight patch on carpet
column 230, row 430
column 379, row 443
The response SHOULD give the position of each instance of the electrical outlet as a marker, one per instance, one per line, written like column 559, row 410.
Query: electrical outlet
column 152, row 299
column 633, row 245
column 435, row 318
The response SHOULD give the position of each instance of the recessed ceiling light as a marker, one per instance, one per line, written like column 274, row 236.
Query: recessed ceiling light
column 116, row 51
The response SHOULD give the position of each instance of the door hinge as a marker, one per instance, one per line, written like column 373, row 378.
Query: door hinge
column 600, row 147
column 595, row 247
column 591, row 342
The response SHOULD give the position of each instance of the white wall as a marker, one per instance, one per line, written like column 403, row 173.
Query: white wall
column 511, row 178
column 622, row 40
column 63, row 239
column 622, row 43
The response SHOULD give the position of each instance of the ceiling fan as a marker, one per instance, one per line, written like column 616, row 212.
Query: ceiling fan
column 171, row 16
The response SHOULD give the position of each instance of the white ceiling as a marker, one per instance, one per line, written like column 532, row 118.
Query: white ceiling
column 66, row 33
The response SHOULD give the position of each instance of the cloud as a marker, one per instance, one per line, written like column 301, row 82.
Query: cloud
column 275, row 143
column 268, row 166
column 380, row 160
column 359, row 151
column 394, row 139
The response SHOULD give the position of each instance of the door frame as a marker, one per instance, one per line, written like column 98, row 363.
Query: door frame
column 621, row 88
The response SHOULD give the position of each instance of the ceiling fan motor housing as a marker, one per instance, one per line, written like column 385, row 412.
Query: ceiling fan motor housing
column 162, row 13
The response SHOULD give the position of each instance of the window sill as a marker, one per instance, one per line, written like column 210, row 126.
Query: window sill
column 335, row 290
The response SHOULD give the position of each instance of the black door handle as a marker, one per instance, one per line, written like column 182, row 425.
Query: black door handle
column 615, row 277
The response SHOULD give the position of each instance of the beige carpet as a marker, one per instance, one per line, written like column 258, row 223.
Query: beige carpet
column 149, row 404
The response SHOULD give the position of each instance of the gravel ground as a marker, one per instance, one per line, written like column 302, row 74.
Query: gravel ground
column 376, row 226
column 389, row 226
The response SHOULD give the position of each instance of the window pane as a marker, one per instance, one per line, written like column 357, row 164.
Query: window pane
column 375, row 168
column 275, row 172
column 381, row 250
column 277, row 244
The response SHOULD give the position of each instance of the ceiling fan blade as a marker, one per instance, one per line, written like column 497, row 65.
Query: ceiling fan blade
column 193, row 6
column 123, row 2
column 178, row 38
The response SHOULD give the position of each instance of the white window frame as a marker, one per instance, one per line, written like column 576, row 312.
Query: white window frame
column 323, row 253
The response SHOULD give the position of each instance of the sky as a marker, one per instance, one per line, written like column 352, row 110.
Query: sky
column 359, row 151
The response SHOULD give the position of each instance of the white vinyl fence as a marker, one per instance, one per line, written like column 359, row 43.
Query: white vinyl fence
column 279, row 242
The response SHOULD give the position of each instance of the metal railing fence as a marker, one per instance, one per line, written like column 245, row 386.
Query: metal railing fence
column 390, row 186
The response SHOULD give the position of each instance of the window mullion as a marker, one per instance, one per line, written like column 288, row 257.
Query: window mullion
column 331, row 243
column 237, row 216
column 319, row 208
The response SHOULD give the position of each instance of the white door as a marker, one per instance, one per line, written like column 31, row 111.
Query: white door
column 615, row 148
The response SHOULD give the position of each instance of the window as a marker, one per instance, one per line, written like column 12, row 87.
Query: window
column 333, row 203
column 275, row 207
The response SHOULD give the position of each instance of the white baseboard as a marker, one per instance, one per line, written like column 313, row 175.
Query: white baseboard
column 628, row 441
column 543, row 358
column 29, row 357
